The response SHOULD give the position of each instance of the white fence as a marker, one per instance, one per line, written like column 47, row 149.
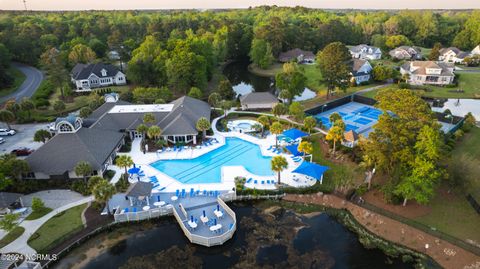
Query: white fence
column 142, row 215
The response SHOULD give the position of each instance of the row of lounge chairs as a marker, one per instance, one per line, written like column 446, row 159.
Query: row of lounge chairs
column 193, row 193
column 275, row 150
column 297, row 159
column 261, row 182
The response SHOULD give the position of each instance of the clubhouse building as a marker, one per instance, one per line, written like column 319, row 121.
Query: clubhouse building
column 98, row 138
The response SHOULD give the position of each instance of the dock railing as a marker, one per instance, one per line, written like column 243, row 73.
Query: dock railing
column 142, row 215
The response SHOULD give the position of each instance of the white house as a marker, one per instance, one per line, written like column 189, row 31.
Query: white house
column 361, row 70
column 89, row 76
column 476, row 50
column 452, row 55
column 366, row 52
column 406, row 53
column 428, row 72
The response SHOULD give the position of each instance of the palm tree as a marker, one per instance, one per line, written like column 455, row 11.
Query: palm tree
column 142, row 128
column 214, row 99
column 203, row 125
column 279, row 109
column 7, row 117
column 276, row 129
column 124, row 161
column 336, row 134
column 83, row 169
column 309, row 123
column 154, row 132
column 148, row 118
column 278, row 164
column 103, row 191
column 264, row 121
column 307, row 148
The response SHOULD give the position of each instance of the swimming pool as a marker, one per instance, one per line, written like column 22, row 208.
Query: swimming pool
column 208, row 167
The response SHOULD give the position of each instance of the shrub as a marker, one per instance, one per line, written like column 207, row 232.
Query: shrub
column 361, row 190
column 109, row 174
column 92, row 181
column 403, row 85
column 458, row 134
column 122, row 184
column 80, row 187
column 37, row 204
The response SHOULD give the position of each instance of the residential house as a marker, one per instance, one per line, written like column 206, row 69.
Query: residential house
column 258, row 100
column 361, row 70
column 297, row 55
column 98, row 138
column 366, row 52
column 89, row 76
column 476, row 50
column 452, row 55
column 428, row 72
column 350, row 139
column 406, row 53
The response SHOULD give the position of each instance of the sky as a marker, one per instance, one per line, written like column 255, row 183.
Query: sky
column 211, row 4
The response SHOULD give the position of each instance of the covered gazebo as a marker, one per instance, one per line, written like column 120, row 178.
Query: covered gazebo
column 139, row 192
column 312, row 170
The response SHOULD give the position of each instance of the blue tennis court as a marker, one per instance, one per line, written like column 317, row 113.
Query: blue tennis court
column 357, row 117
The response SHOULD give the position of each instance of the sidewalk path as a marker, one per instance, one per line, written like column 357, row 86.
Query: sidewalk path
column 443, row 252
column 31, row 226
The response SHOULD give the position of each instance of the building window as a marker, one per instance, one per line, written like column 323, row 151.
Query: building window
column 65, row 128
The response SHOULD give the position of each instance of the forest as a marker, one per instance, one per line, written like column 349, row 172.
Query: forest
column 181, row 49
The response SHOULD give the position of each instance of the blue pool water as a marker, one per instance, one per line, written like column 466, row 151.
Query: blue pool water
column 207, row 168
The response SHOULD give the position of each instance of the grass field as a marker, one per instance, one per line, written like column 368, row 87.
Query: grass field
column 11, row 236
column 38, row 214
column 57, row 229
column 18, row 76
column 454, row 216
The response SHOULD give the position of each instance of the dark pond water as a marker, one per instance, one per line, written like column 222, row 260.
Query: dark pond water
column 280, row 238
column 245, row 82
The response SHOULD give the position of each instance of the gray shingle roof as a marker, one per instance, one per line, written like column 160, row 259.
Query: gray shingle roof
column 293, row 54
column 64, row 151
column 8, row 198
column 258, row 98
column 423, row 65
column 83, row 71
column 139, row 188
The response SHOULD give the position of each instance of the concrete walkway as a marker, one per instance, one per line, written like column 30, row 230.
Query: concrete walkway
column 443, row 252
column 31, row 226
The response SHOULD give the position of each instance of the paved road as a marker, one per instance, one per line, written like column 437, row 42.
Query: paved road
column 32, row 81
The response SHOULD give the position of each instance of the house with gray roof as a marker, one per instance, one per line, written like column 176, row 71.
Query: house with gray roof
column 366, row 52
column 428, row 72
column 9, row 201
column 297, row 55
column 98, row 138
column 406, row 53
column 453, row 55
column 258, row 100
column 89, row 76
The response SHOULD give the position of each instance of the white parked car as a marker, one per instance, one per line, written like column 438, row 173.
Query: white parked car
column 51, row 127
column 5, row 132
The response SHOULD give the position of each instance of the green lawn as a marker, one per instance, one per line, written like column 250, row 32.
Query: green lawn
column 11, row 236
column 19, row 78
column 269, row 72
column 470, row 144
column 468, row 82
column 57, row 229
column 453, row 216
column 425, row 51
column 39, row 213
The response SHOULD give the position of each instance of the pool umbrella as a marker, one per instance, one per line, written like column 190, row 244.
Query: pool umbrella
column 215, row 221
column 191, row 218
column 293, row 149
column 134, row 170
column 158, row 198
column 204, row 213
column 311, row 169
column 218, row 207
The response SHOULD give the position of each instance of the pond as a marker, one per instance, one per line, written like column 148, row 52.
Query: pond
column 245, row 82
column 459, row 107
column 271, row 237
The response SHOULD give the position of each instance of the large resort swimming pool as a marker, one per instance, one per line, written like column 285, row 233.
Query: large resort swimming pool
column 208, row 167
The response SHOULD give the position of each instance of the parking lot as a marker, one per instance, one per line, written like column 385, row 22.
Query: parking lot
column 23, row 137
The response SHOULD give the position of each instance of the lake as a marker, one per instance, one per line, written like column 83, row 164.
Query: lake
column 245, row 82
column 275, row 236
